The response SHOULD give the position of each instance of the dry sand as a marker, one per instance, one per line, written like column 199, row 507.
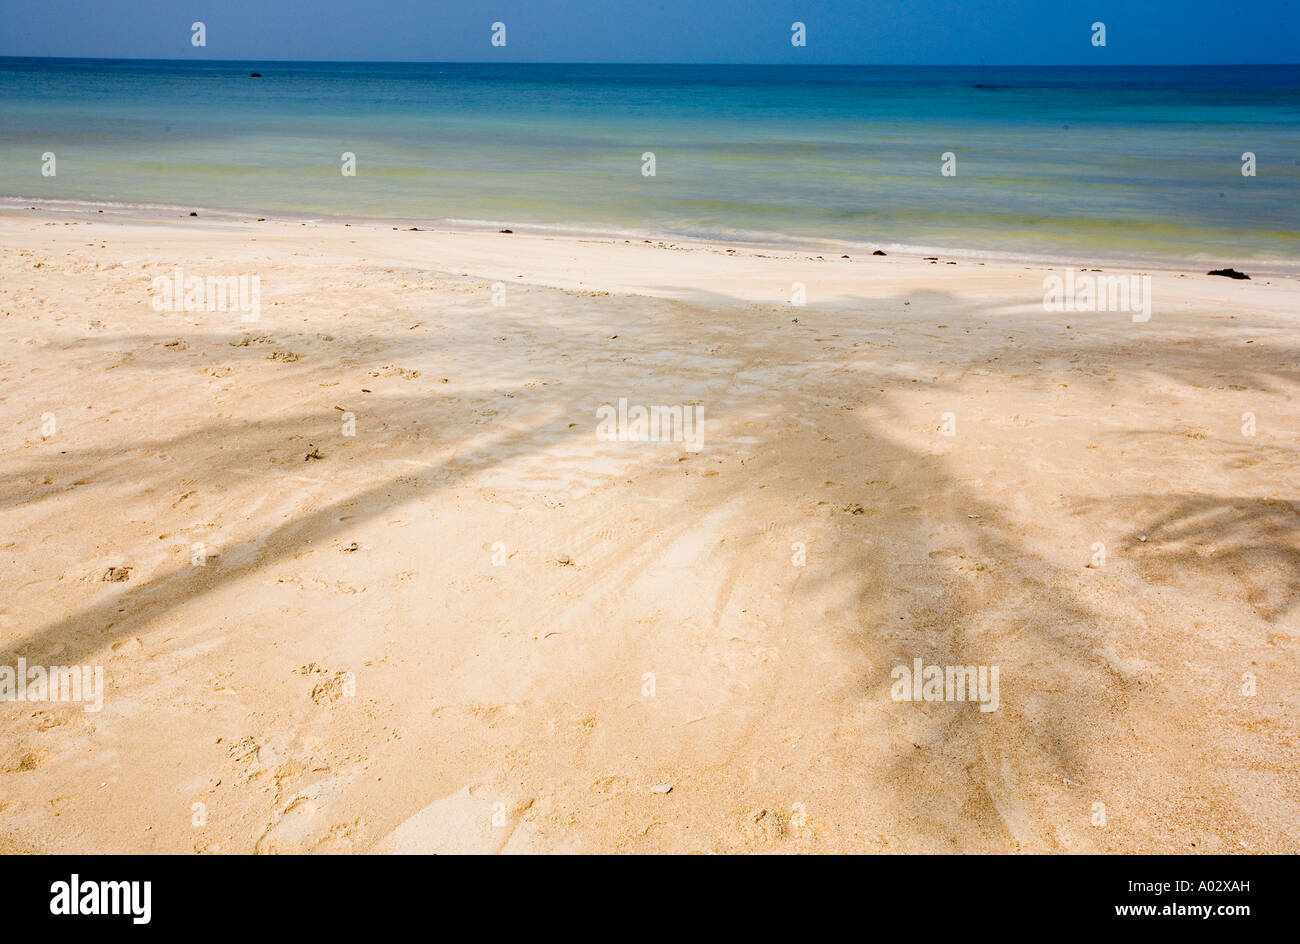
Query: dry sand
column 351, row 672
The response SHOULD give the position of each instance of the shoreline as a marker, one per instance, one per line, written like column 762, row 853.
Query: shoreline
column 89, row 210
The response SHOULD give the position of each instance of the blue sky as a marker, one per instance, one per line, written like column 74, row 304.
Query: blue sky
column 839, row 31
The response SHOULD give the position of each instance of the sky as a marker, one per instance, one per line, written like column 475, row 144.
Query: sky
column 867, row 32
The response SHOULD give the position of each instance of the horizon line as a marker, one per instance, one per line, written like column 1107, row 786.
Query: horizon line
column 664, row 62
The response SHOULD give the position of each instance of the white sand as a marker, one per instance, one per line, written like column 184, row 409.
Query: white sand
column 350, row 672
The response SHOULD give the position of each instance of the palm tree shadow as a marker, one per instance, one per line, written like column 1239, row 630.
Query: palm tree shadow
column 269, row 448
column 1206, row 538
column 963, row 587
column 935, row 570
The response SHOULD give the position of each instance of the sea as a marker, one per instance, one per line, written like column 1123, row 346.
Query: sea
column 1173, row 165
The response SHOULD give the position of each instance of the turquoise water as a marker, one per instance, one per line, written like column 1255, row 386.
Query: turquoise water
column 1115, row 163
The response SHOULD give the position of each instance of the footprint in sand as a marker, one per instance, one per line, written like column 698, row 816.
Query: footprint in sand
column 471, row 821
column 301, row 826
column 290, row 832
column 30, row 760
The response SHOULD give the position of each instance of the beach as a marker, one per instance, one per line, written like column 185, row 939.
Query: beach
column 362, row 576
